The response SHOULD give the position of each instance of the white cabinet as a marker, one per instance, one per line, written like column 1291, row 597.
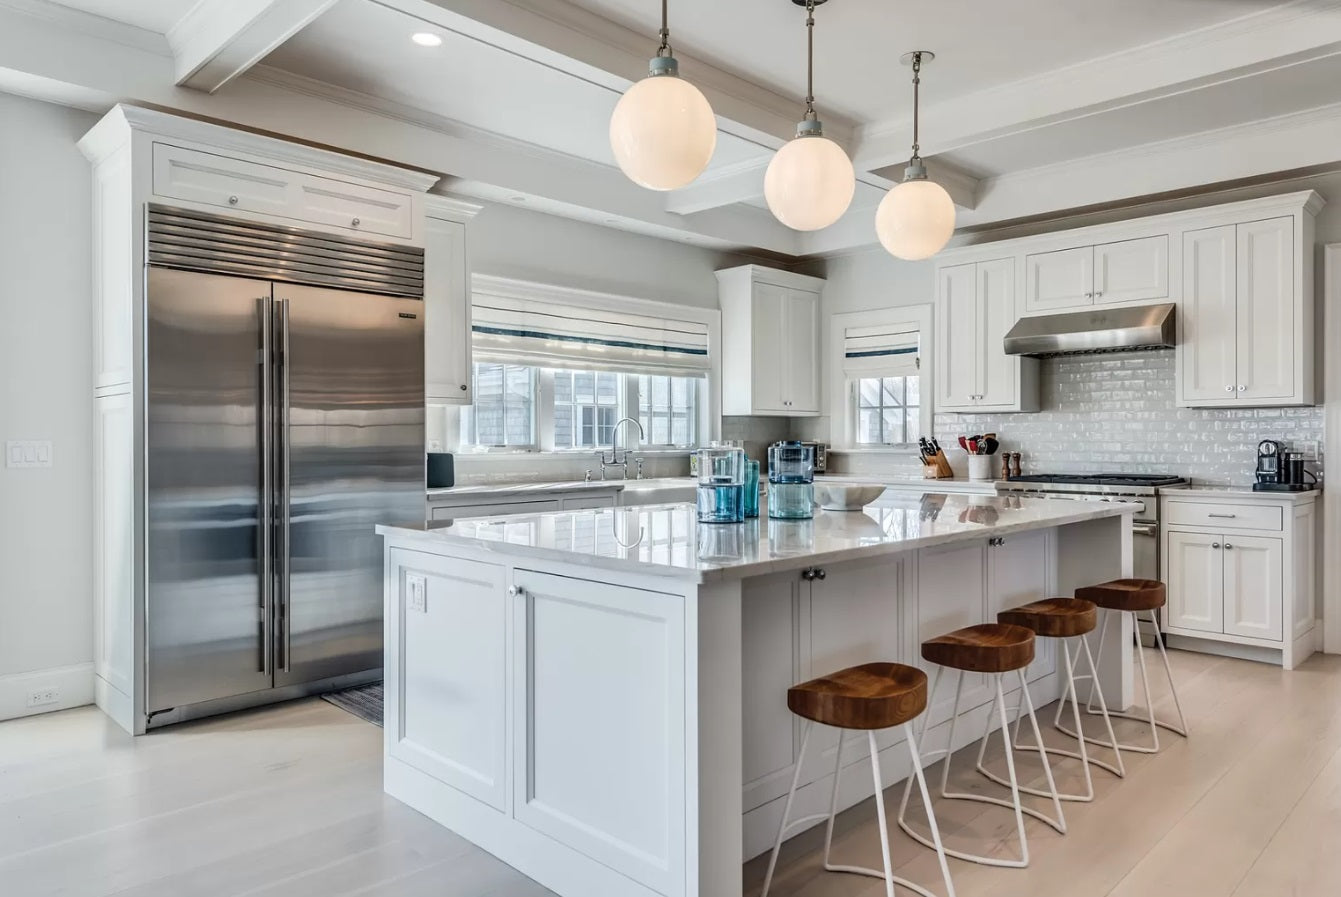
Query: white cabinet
column 1240, row 571
column 447, row 335
column 1247, row 315
column 771, row 342
column 1122, row 271
column 975, row 307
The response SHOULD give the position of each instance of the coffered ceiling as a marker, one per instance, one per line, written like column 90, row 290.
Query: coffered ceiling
column 1032, row 107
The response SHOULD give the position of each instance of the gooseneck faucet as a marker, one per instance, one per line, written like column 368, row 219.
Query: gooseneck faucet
column 616, row 459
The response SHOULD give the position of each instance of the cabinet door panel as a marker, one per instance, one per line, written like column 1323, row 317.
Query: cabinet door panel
column 1196, row 581
column 952, row 594
column 999, row 373
column 768, row 383
column 957, row 337
column 448, row 709
column 1209, row 338
column 1132, row 270
column 447, row 342
column 800, row 367
column 1055, row 280
column 1266, row 309
column 768, row 668
column 1254, row 582
column 1018, row 574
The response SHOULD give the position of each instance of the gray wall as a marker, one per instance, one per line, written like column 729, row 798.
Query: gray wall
column 46, row 530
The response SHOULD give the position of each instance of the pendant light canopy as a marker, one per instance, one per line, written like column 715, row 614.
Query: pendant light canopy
column 917, row 217
column 663, row 130
column 810, row 181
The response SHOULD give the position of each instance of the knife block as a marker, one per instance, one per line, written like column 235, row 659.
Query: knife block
column 938, row 468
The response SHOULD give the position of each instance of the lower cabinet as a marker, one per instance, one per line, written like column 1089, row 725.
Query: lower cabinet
column 1231, row 585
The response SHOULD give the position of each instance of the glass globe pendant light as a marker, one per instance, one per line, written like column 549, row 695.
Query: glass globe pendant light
column 663, row 130
column 917, row 217
column 810, row 181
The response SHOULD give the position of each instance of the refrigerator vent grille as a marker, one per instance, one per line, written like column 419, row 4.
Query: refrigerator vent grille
column 215, row 244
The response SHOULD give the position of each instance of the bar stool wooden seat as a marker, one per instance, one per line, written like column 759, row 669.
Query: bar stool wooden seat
column 869, row 697
column 1131, row 596
column 1063, row 619
column 995, row 649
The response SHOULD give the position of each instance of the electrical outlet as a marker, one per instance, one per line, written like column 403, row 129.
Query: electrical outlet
column 43, row 696
column 28, row 454
column 416, row 593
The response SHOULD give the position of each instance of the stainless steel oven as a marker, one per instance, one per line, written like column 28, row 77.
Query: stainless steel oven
column 1139, row 488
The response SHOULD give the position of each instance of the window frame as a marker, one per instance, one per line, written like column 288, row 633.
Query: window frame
column 843, row 422
column 856, row 407
column 458, row 436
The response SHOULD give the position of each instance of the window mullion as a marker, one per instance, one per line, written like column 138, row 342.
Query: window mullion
column 543, row 438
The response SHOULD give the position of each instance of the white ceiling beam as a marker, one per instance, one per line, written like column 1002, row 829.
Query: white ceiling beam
column 574, row 40
column 41, row 58
column 739, row 183
column 1284, row 35
column 218, row 40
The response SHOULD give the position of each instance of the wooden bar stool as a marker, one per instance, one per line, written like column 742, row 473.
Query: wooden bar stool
column 1063, row 619
column 1132, row 596
column 869, row 697
column 995, row 649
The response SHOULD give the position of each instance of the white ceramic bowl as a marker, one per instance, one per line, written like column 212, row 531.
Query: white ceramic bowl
column 846, row 496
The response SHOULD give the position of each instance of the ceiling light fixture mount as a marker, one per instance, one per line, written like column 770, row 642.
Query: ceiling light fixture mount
column 917, row 217
column 663, row 131
column 810, row 180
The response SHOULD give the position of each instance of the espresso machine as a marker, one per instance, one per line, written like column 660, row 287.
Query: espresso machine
column 1279, row 470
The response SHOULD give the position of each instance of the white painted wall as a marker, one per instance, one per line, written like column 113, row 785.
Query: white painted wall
column 46, row 531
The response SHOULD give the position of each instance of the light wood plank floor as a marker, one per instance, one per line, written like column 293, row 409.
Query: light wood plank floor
column 287, row 801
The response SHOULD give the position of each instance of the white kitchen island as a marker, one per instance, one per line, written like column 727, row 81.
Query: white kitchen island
column 598, row 697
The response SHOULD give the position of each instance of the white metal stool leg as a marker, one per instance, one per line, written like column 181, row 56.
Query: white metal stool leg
column 1016, row 804
column 1083, row 756
column 888, row 876
column 1149, row 718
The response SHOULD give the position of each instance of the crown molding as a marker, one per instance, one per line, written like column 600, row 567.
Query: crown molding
column 69, row 19
column 450, row 208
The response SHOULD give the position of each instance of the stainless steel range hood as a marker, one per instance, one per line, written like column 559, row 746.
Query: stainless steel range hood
column 1094, row 330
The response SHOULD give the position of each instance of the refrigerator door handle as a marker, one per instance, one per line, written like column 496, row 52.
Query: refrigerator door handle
column 283, row 430
column 266, row 504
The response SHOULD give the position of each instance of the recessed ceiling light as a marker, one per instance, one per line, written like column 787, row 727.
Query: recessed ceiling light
column 426, row 39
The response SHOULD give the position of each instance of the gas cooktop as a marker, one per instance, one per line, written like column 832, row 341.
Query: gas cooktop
column 1102, row 479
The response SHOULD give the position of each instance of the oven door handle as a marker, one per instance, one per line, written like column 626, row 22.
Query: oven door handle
column 1145, row 529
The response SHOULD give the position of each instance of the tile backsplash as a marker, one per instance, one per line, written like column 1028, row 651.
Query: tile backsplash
column 1116, row 412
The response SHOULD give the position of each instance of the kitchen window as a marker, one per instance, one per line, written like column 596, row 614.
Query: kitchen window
column 504, row 413
column 521, row 408
column 888, row 410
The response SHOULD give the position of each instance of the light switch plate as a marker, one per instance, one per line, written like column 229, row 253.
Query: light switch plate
column 28, row 453
column 416, row 592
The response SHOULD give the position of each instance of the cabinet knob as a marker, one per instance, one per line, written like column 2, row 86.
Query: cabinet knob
column 516, row 591
column 354, row 223
column 464, row 387
column 1098, row 294
column 1229, row 389
column 232, row 200
column 1089, row 295
column 1228, row 547
column 1215, row 545
column 1242, row 387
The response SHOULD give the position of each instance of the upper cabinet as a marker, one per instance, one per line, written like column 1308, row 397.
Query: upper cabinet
column 771, row 342
column 1247, row 315
column 975, row 307
column 1106, row 273
column 447, row 319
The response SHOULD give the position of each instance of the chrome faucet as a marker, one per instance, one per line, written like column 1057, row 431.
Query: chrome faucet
column 616, row 459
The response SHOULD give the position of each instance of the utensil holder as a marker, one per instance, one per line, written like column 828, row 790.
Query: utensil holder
column 980, row 467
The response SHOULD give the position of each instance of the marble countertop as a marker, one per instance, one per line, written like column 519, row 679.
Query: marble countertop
column 667, row 540
column 1236, row 491
column 509, row 490
column 499, row 490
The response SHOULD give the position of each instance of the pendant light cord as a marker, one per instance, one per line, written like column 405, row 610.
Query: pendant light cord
column 665, row 48
column 810, row 61
column 917, row 83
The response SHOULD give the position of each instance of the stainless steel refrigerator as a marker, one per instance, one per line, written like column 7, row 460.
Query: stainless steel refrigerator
column 285, row 418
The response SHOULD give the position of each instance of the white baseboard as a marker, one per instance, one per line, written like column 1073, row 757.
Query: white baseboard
column 73, row 683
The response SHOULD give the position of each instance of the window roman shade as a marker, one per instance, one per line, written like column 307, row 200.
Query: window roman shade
column 880, row 351
column 554, row 335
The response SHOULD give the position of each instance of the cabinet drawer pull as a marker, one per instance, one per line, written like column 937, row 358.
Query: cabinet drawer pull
column 355, row 223
column 232, row 200
column 1223, row 516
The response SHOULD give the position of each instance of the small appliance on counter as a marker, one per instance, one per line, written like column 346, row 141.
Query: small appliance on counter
column 1279, row 470
column 441, row 470
column 791, row 480
column 821, row 454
